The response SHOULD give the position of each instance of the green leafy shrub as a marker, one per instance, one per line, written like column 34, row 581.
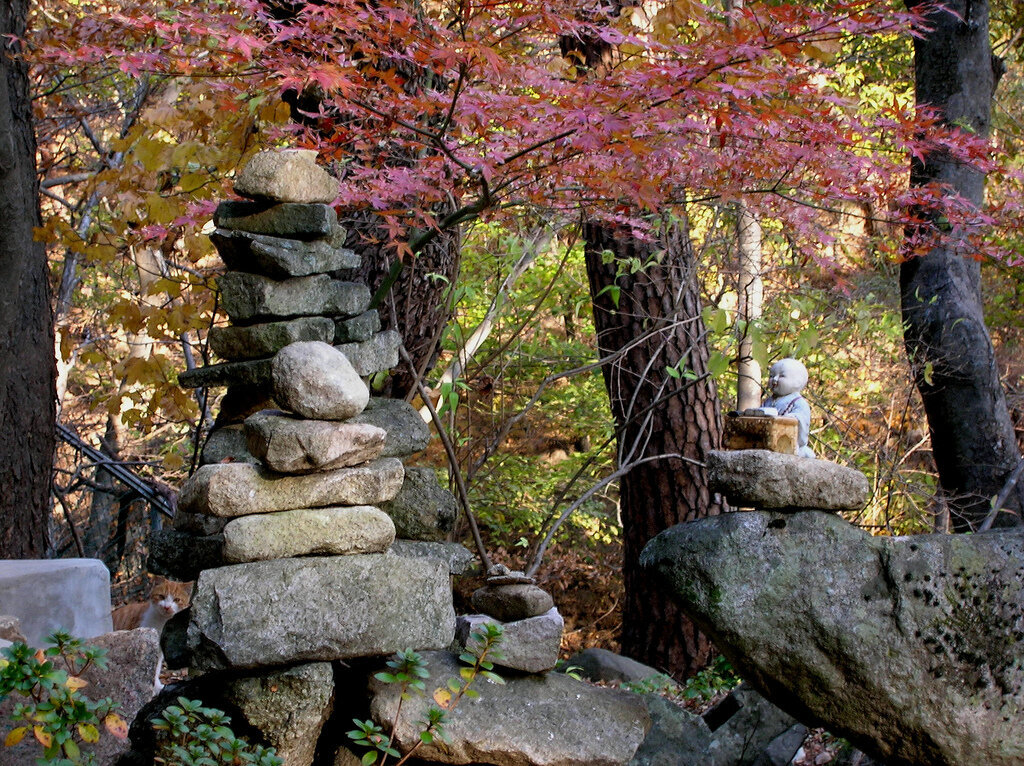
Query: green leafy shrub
column 713, row 680
column 409, row 671
column 58, row 717
column 189, row 734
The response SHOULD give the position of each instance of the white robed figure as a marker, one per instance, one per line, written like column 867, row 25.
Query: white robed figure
column 786, row 380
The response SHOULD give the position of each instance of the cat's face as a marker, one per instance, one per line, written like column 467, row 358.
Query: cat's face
column 170, row 597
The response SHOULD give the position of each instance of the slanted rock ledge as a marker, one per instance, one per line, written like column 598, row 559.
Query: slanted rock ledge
column 911, row 647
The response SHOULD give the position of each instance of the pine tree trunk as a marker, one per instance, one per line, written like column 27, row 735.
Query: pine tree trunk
column 657, row 317
column 946, row 338
column 27, row 368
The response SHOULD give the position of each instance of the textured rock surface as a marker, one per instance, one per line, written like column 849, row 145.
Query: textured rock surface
column 182, row 556
column 458, row 557
column 10, row 629
column 250, row 373
column 512, row 602
column 530, row 645
column 259, row 340
column 282, row 258
column 293, row 445
column 773, row 481
column 246, row 298
column 227, row 444
column 677, row 737
column 56, row 593
column 254, row 615
column 422, row 509
column 608, row 667
column 407, row 433
column 286, row 175
column 238, row 489
column 316, row 381
column 321, row 531
column 358, row 328
column 287, row 219
column 377, row 354
column 548, row 720
column 908, row 646
column 744, row 725
column 289, row 707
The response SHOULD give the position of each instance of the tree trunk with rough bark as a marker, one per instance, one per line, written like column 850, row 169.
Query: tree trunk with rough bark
column 654, row 315
column 945, row 334
column 27, row 368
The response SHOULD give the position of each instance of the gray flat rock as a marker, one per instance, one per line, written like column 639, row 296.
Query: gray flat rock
column 266, row 339
column 279, row 258
column 422, row 509
column 239, row 489
column 226, row 444
column 248, row 298
column 407, row 433
column 378, row 354
column 358, row 328
column 250, row 373
column 456, row 556
column 774, row 481
column 287, row 219
column 56, row 593
column 308, row 531
column 288, row 444
column 529, row 645
column 320, row 608
column 512, row 602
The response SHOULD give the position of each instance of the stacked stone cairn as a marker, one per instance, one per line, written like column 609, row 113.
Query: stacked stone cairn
column 290, row 523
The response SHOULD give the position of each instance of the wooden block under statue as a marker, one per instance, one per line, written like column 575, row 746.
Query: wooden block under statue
column 778, row 434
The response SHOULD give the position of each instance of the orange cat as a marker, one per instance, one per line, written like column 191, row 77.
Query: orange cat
column 166, row 599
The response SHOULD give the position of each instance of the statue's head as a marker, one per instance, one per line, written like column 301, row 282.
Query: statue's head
column 787, row 376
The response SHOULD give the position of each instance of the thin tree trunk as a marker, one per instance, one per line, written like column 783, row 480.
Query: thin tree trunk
column 750, row 304
column 27, row 368
column 946, row 338
column 655, row 312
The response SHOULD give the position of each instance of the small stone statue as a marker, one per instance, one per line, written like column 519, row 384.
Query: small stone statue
column 786, row 380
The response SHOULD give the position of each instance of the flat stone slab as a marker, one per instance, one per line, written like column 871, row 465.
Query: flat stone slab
column 422, row 509
column 239, row 489
column 358, row 328
column 534, row 720
column 308, row 531
column 407, row 433
column 287, row 219
column 773, row 481
column 512, row 602
column 910, row 647
column 248, row 298
column 293, row 445
column 378, row 354
column 56, row 593
column 316, row 381
column 266, row 339
column 283, row 258
column 250, row 373
column 529, row 645
column 286, row 175
column 456, row 556
column 602, row 665
column 266, row 613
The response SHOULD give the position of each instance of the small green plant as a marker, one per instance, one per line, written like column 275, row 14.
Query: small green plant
column 189, row 734
column 59, row 718
column 656, row 684
column 408, row 669
column 717, row 678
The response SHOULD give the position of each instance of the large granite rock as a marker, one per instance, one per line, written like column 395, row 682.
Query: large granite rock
column 257, row 615
column 908, row 646
column 238, row 489
column 407, row 433
column 266, row 339
column 286, row 175
column 248, row 298
column 547, row 720
column 529, row 645
column 422, row 509
column 308, row 531
column 296, row 445
column 317, row 381
column 45, row 595
column 287, row 220
column 282, row 258
column 774, row 481
column 288, row 707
